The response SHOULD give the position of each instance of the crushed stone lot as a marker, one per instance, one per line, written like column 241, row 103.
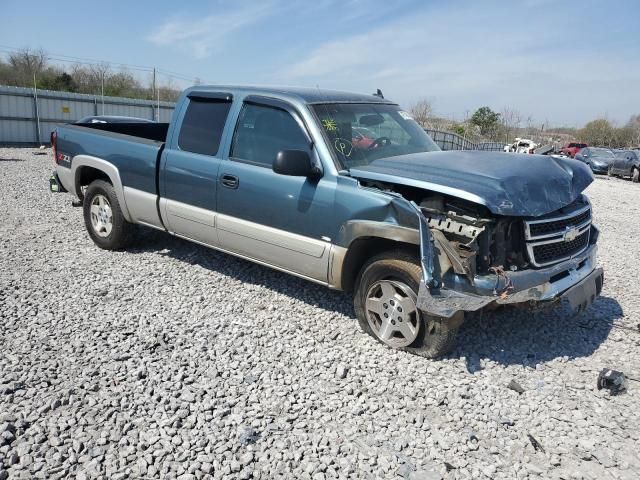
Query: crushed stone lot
column 171, row 360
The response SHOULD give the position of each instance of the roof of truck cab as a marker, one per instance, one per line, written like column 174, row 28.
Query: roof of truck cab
column 305, row 94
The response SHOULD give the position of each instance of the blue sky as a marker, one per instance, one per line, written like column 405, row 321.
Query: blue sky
column 564, row 61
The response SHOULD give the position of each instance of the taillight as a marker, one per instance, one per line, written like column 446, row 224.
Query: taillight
column 531, row 150
column 54, row 141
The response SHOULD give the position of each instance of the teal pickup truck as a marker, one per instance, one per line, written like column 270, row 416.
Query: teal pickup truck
column 348, row 191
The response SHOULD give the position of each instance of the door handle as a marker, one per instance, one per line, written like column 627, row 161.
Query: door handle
column 230, row 181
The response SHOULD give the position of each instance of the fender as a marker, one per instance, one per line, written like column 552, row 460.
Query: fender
column 354, row 229
column 108, row 169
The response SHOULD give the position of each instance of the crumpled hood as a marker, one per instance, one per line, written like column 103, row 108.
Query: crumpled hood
column 506, row 183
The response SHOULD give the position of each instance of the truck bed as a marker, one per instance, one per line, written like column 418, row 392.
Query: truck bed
column 133, row 148
column 150, row 131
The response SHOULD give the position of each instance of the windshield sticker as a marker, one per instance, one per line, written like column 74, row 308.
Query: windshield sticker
column 405, row 115
column 343, row 146
column 330, row 125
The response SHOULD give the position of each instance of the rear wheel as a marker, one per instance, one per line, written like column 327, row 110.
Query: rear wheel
column 385, row 304
column 103, row 217
column 610, row 171
column 635, row 175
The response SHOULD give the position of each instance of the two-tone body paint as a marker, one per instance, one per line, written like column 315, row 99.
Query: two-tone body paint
column 302, row 226
column 295, row 224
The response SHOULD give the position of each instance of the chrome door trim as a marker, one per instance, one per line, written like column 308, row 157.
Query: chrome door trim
column 309, row 257
column 273, row 236
column 302, row 256
column 254, row 260
column 195, row 223
column 191, row 213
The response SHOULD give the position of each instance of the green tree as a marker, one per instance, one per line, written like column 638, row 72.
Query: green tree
column 487, row 120
column 62, row 82
column 458, row 129
column 599, row 133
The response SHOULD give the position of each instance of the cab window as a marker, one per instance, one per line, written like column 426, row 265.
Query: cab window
column 202, row 126
column 262, row 132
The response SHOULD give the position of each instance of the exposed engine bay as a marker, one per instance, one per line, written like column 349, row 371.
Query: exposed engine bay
column 476, row 241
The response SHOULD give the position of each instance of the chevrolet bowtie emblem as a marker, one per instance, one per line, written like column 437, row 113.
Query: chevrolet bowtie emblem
column 570, row 234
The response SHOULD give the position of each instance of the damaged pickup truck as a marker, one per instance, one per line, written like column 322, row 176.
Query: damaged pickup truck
column 348, row 191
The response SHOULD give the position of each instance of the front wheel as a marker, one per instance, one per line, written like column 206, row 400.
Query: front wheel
column 635, row 175
column 103, row 217
column 385, row 304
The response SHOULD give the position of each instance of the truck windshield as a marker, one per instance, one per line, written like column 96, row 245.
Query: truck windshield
column 359, row 133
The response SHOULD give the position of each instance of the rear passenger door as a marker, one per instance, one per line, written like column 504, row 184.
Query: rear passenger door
column 629, row 162
column 189, row 170
column 618, row 164
column 275, row 219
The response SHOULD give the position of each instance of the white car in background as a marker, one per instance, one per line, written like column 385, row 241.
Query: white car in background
column 521, row 145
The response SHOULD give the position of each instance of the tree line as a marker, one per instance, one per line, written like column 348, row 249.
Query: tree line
column 26, row 67
column 486, row 124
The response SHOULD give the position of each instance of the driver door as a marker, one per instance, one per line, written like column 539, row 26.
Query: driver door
column 279, row 220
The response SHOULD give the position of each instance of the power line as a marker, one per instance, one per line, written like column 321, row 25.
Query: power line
column 93, row 61
column 83, row 60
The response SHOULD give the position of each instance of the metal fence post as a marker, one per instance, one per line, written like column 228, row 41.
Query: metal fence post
column 35, row 108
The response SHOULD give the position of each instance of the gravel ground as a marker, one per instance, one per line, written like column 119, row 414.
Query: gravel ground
column 172, row 360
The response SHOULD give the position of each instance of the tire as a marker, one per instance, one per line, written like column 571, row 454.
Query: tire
column 433, row 337
column 103, row 217
column 610, row 171
column 635, row 175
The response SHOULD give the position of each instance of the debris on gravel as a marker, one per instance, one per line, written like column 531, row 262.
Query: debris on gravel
column 515, row 386
column 170, row 360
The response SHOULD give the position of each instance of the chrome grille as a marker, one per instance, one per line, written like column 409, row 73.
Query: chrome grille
column 558, row 237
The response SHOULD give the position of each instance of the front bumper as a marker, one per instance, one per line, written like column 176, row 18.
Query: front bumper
column 576, row 280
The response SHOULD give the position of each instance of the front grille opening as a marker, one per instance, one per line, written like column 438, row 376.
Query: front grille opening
column 545, row 236
column 552, row 252
column 557, row 226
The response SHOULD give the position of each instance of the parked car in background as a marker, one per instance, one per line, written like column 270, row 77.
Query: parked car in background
column 521, row 145
column 363, row 137
column 112, row 119
column 570, row 149
column 598, row 159
column 626, row 164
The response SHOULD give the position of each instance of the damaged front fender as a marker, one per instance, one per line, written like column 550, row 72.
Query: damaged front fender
column 576, row 280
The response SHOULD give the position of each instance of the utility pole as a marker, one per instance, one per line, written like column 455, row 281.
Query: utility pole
column 35, row 100
column 153, row 92
column 102, row 92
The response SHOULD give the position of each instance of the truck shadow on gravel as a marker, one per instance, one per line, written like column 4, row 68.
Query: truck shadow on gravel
column 508, row 336
column 512, row 336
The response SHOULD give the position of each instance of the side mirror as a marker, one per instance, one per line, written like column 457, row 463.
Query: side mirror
column 295, row 163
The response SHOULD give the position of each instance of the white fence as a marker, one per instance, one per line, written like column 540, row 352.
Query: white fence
column 27, row 116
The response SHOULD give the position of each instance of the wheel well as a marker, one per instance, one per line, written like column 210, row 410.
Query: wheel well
column 361, row 250
column 86, row 175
